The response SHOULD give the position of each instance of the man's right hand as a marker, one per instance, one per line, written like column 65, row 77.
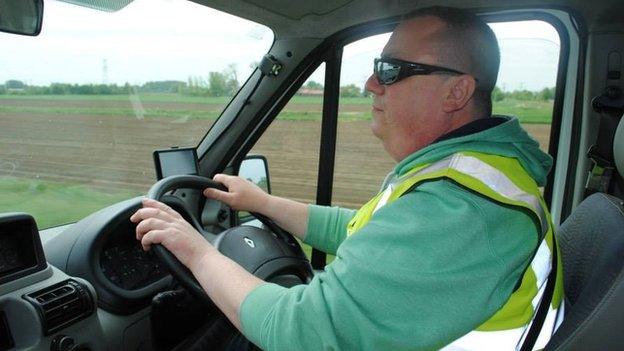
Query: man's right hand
column 243, row 195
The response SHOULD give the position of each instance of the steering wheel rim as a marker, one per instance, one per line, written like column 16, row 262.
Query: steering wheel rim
column 181, row 272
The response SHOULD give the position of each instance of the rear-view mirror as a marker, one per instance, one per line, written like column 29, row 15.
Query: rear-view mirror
column 21, row 16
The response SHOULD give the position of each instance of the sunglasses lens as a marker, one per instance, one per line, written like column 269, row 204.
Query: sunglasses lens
column 387, row 73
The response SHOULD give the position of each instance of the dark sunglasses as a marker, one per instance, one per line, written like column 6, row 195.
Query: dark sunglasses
column 390, row 70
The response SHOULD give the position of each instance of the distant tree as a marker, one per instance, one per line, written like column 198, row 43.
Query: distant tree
column 217, row 84
column 14, row 84
column 195, row 86
column 231, row 83
column 37, row 90
column 522, row 95
column 104, row 89
column 350, row 90
column 59, row 89
column 313, row 85
column 163, row 86
column 547, row 94
column 84, row 89
column 223, row 83
column 128, row 89
column 498, row 94
column 2, row 90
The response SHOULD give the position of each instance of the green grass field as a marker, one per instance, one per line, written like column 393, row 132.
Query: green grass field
column 143, row 97
column 222, row 100
column 115, row 111
column 55, row 203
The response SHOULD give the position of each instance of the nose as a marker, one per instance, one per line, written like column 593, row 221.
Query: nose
column 373, row 86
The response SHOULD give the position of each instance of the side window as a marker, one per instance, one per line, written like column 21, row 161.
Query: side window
column 292, row 141
column 526, row 83
column 525, row 89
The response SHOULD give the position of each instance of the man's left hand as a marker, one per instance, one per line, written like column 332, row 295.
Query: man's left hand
column 160, row 224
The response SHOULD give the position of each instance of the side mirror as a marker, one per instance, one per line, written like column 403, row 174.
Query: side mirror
column 255, row 168
column 21, row 17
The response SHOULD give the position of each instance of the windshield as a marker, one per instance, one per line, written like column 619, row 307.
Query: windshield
column 84, row 105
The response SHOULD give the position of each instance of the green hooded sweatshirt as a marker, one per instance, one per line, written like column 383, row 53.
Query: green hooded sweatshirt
column 426, row 269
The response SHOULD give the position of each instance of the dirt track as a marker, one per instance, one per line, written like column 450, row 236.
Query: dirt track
column 116, row 152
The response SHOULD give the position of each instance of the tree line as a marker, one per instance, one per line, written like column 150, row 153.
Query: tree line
column 223, row 83
column 542, row 95
column 498, row 94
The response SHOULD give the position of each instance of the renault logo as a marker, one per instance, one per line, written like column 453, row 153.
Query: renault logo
column 250, row 242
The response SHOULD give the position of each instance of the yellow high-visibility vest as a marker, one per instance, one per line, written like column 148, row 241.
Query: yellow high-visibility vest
column 504, row 180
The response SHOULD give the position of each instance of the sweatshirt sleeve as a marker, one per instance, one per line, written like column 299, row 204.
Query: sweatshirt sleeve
column 423, row 272
column 327, row 227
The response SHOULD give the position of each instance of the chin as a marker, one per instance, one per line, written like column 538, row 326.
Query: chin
column 374, row 127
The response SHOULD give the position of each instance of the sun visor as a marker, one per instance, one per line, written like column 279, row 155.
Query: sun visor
column 102, row 5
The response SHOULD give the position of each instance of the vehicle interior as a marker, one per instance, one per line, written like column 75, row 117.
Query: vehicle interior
column 83, row 282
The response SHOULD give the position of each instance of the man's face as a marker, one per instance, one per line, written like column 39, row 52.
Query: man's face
column 407, row 115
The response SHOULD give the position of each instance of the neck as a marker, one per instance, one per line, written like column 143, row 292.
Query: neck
column 453, row 121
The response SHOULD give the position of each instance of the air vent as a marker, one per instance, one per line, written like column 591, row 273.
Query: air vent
column 61, row 305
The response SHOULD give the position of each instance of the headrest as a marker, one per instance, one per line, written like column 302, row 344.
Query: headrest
column 618, row 148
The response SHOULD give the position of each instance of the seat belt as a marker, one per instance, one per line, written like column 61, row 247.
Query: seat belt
column 610, row 105
column 544, row 305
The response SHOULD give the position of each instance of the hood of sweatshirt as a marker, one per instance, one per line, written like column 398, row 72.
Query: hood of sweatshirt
column 506, row 139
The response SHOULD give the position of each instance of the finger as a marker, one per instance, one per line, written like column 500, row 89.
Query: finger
column 218, row 195
column 224, row 179
column 153, row 237
column 161, row 206
column 148, row 225
column 150, row 212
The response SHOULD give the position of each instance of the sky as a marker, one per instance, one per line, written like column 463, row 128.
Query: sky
column 152, row 40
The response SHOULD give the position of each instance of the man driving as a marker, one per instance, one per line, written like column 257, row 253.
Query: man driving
column 454, row 253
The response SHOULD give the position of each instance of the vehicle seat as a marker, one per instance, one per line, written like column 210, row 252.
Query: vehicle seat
column 592, row 249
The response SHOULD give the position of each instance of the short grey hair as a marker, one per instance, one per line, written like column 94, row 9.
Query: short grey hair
column 469, row 45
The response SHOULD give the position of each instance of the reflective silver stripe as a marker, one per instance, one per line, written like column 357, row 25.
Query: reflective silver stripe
column 489, row 176
column 551, row 323
column 541, row 266
column 509, row 339
column 384, row 197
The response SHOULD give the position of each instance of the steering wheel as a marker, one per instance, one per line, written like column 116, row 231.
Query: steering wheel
column 266, row 254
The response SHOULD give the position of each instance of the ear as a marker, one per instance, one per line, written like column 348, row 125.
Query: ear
column 460, row 91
